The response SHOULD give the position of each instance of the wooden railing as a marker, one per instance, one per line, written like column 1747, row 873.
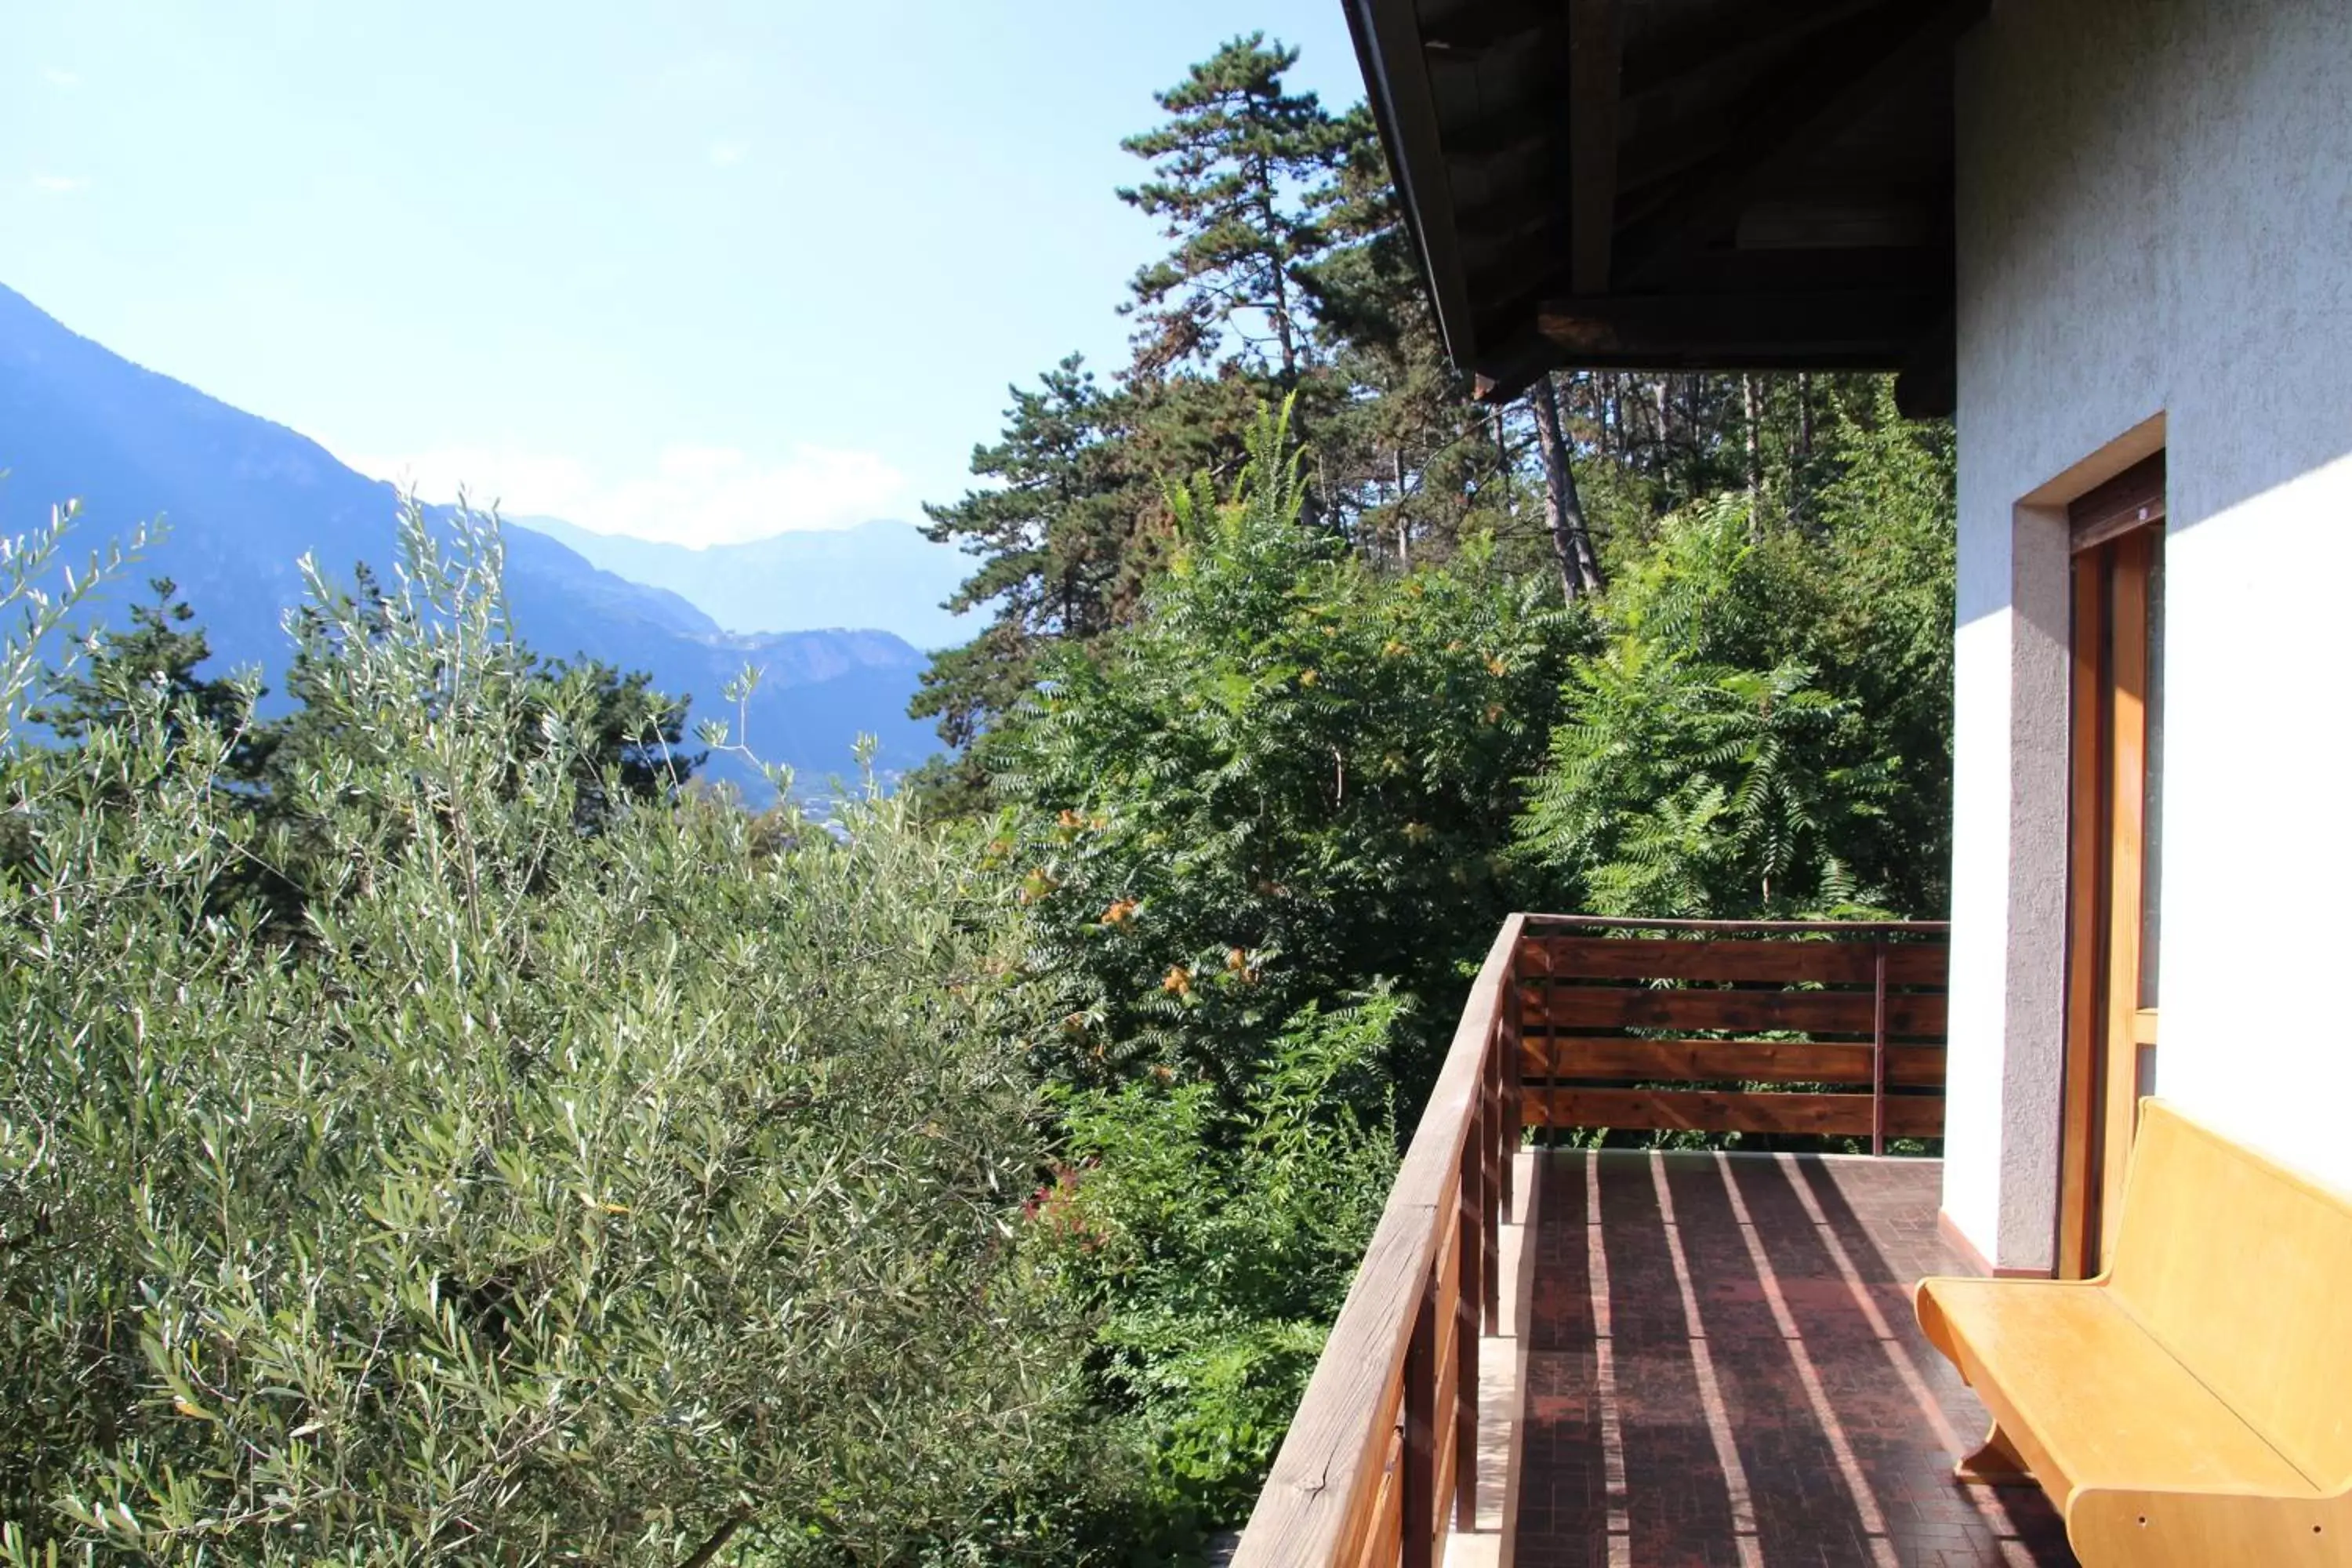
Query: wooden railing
column 1576, row 1021
column 1382, row 1454
column 1853, row 1012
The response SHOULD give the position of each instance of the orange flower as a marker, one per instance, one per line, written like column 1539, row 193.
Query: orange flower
column 1178, row 981
column 1120, row 911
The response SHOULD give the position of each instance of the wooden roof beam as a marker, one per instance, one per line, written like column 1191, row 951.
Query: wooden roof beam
column 1596, row 55
column 1878, row 329
column 1854, row 327
column 1518, row 272
column 1396, row 72
column 1838, row 81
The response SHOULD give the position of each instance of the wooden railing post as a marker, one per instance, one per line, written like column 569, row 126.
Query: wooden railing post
column 1417, row 1466
column 1514, row 1110
column 1477, row 1285
column 1878, row 1046
column 1489, row 1137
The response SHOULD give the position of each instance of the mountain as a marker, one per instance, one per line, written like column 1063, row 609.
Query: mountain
column 244, row 498
column 883, row 574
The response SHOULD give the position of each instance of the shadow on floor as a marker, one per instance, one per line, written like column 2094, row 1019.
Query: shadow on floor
column 1723, row 1368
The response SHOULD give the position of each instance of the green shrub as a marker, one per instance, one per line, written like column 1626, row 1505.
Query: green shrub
column 1217, row 1242
column 1766, row 731
column 1294, row 778
column 645, row 1193
column 1258, row 836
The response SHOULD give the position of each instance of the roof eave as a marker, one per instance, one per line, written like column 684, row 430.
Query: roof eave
column 1406, row 113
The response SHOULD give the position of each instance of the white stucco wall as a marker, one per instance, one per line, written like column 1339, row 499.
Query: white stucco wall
column 2155, row 238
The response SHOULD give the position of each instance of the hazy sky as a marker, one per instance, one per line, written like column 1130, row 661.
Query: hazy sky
column 698, row 271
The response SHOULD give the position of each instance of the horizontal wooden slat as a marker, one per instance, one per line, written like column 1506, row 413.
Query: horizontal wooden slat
column 1723, row 1061
column 1704, row 1110
column 1645, row 1007
column 1731, row 958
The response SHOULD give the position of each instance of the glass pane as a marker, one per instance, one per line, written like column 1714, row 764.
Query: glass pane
column 2152, row 801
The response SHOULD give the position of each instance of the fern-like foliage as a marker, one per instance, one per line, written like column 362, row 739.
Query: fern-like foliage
column 1684, row 784
column 1292, row 780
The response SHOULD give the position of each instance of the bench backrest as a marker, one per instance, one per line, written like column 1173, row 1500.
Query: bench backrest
column 2242, row 1270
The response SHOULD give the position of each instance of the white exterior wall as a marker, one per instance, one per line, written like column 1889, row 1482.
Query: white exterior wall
column 2154, row 243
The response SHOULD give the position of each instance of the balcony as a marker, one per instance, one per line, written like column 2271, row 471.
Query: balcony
column 1554, row 1355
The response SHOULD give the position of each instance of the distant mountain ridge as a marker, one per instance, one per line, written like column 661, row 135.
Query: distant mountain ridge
column 244, row 498
column 881, row 574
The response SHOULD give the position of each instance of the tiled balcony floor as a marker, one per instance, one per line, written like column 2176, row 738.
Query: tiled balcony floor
column 1723, row 1368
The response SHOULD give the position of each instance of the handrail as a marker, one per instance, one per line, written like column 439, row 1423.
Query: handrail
column 1352, row 1450
column 1645, row 922
column 1386, row 1436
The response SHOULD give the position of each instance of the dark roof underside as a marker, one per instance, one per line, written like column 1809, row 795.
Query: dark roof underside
column 1676, row 184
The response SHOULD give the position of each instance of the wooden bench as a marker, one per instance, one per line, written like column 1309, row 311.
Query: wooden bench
column 2192, row 1405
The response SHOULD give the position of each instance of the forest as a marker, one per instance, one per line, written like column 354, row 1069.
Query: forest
column 438, row 1128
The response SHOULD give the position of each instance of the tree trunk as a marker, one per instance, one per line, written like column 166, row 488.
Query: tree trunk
column 1802, row 467
column 1665, row 462
column 1404, row 523
column 1278, row 269
column 1503, row 467
column 1572, row 542
column 1750, row 404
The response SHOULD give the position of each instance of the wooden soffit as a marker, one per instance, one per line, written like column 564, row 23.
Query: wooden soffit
column 1714, row 185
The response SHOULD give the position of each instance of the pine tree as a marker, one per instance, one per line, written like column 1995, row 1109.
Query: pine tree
column 1405, row 463
column 162, row 649
column 1240, row 173
column 1052, row 528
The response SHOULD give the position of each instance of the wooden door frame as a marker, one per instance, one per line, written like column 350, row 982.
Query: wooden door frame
column 2113, row 528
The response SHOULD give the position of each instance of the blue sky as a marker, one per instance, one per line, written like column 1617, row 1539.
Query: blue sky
column 697, row 272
